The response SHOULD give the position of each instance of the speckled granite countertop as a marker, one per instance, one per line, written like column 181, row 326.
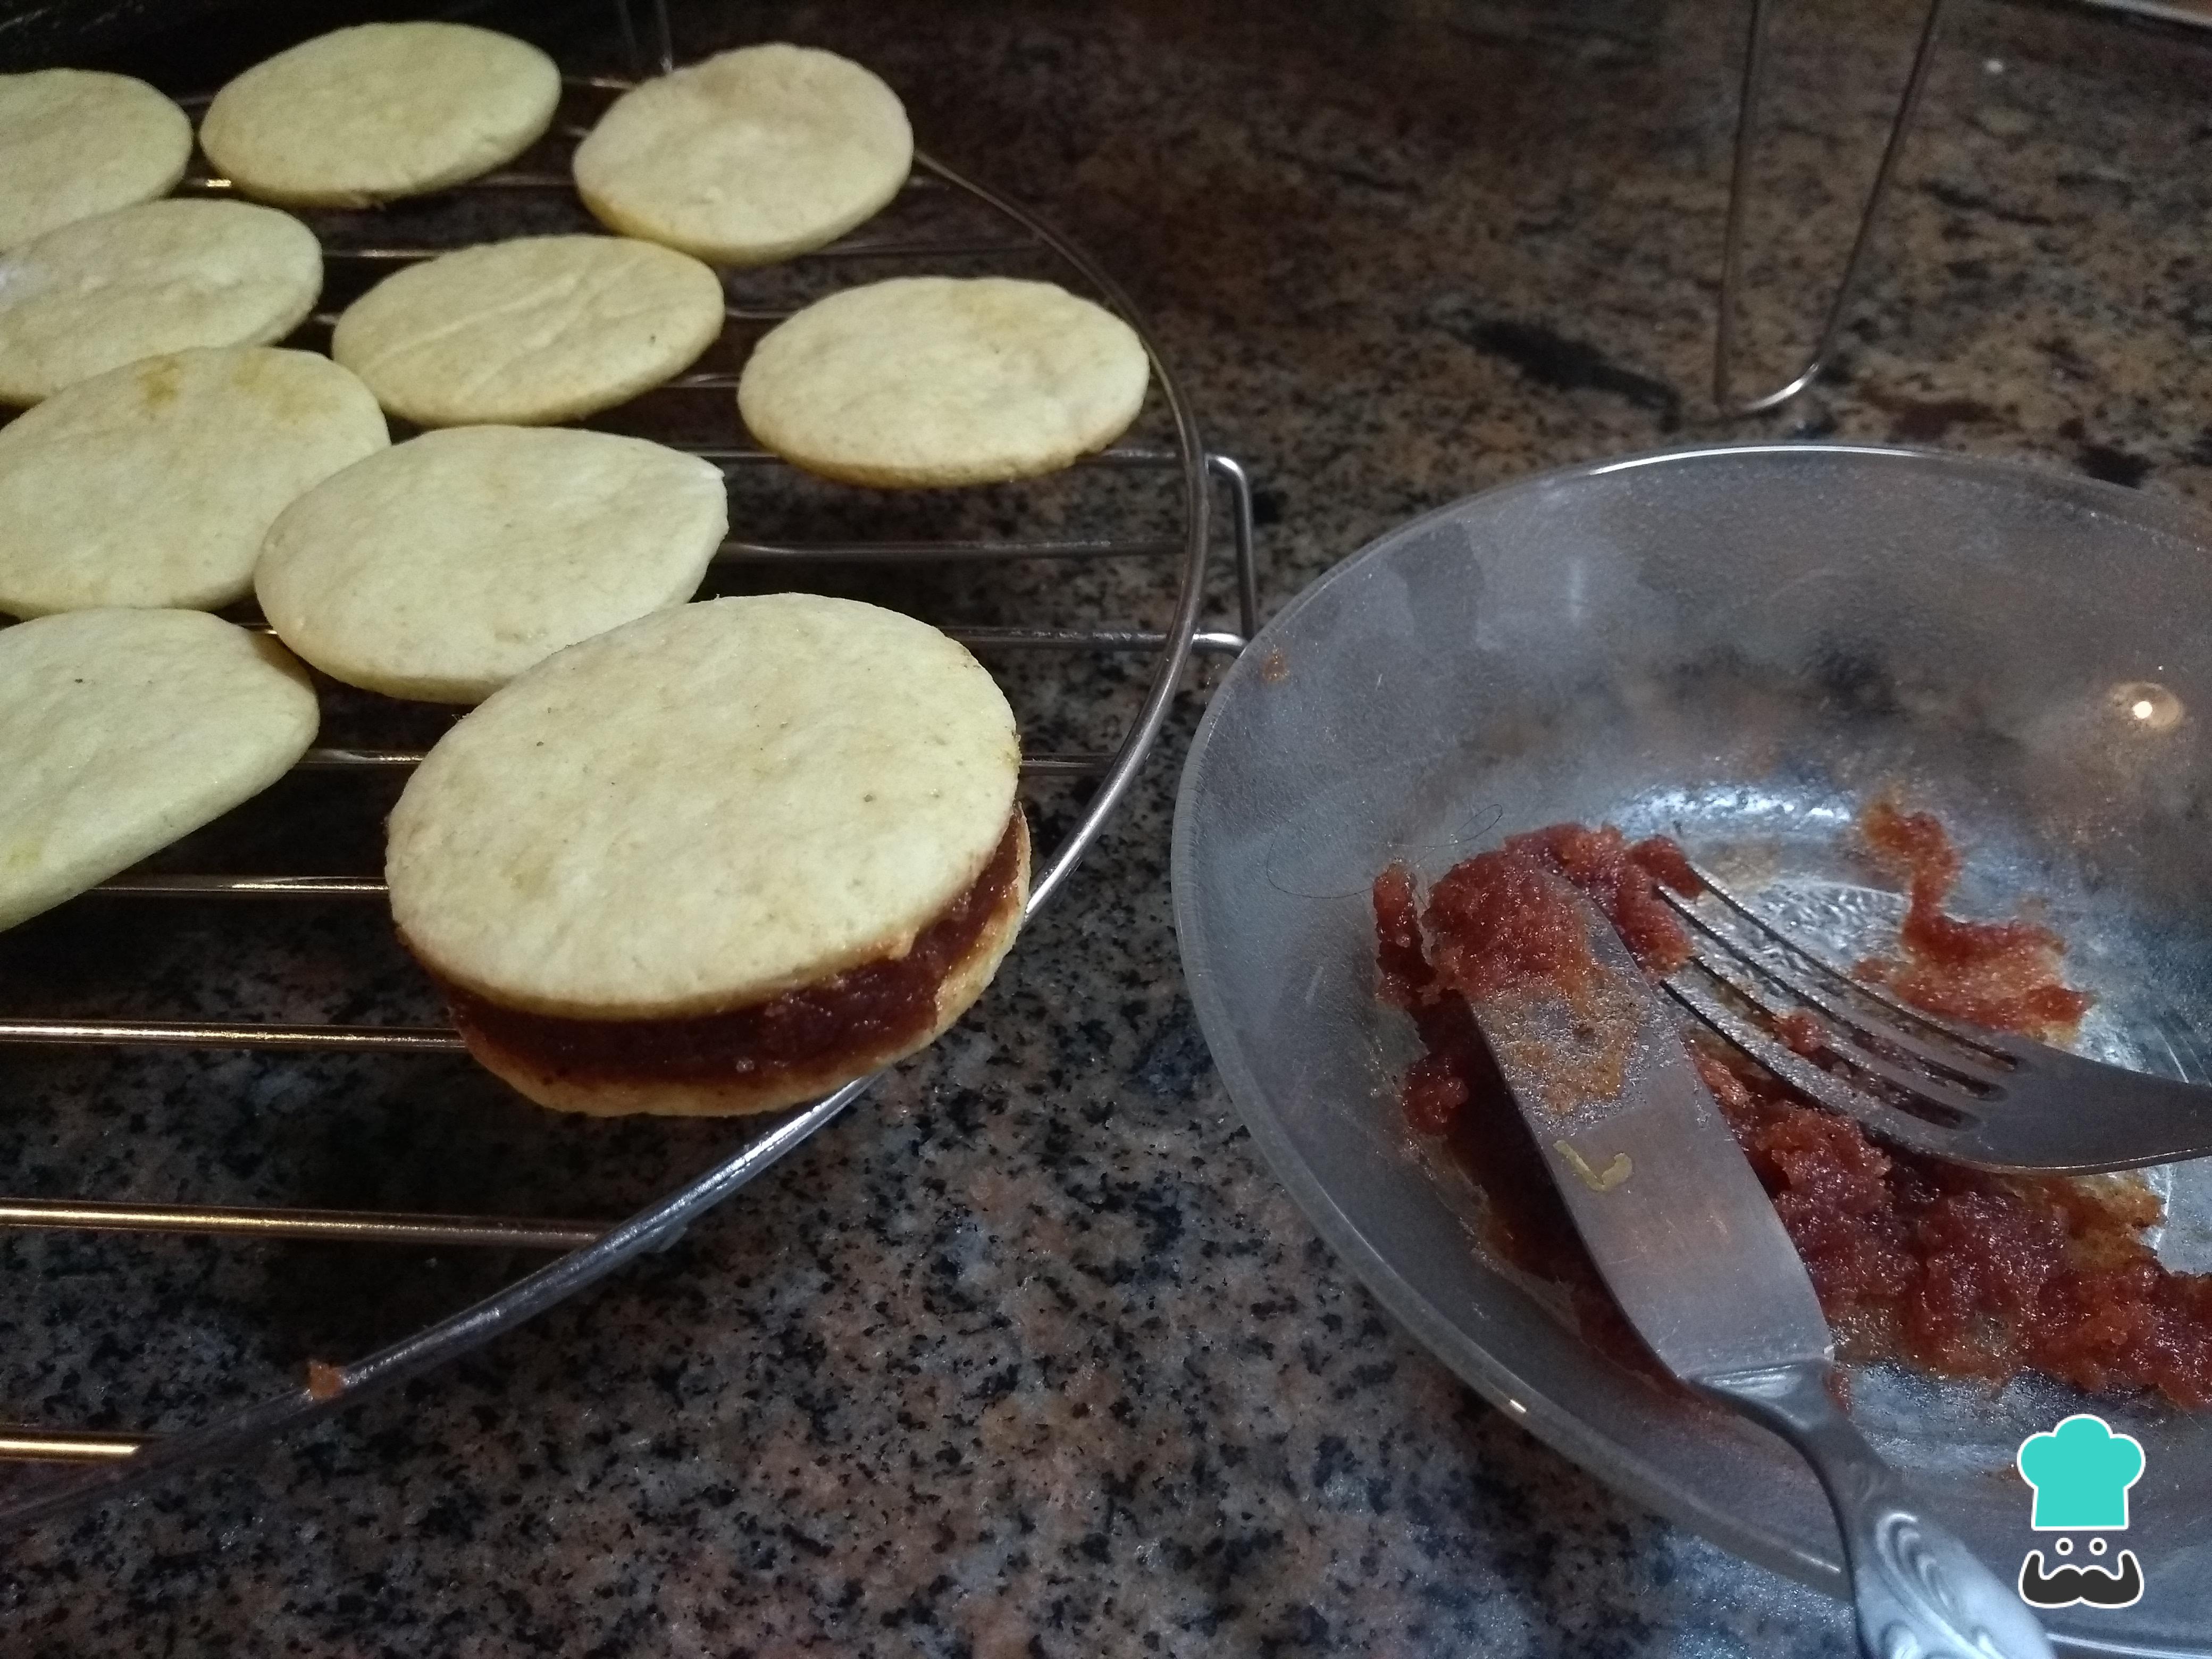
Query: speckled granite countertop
column 1029, row 1355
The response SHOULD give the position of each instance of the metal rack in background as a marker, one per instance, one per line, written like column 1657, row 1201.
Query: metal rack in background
column 1751, row 97
column 101, row 1464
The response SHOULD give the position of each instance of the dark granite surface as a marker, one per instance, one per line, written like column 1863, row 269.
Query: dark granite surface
column 1029, row 1355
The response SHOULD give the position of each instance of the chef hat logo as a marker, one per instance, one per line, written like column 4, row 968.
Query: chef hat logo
column 2080, row 1471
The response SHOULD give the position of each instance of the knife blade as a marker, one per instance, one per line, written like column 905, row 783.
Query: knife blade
column 1687, row 1240
column 1682, row 1229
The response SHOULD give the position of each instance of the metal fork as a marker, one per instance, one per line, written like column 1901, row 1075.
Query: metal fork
column 1984, row 1098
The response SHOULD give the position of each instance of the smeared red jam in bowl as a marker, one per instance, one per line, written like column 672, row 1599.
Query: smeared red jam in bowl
column 2002, row 975
column 1956, row 1271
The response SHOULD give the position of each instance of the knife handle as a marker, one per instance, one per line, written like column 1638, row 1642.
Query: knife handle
column 1920, row 1593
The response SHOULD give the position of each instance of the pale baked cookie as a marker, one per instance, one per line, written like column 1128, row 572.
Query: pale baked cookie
column 721, row 859
column 753, row 155
column 74, row 142
column 121, row 731
column 153, row 484
column 525, row 332
column 157, row 278
column 929, row 380
column 443, row 567
column 379, row 110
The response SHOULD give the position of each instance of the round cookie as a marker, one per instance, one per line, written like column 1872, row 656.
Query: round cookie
column 698, row 814
column 153, row 484
column 143, row 280
column 379, row 110
column 750, row 156
column 446, row 566
column 529, row 332
column 922, row 381
column 121, row 731
column 74, row 142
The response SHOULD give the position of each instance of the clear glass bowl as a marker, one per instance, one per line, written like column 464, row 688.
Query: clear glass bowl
column 1737, row 645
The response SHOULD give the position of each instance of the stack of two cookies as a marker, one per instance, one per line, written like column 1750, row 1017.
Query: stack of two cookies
column 718, row 860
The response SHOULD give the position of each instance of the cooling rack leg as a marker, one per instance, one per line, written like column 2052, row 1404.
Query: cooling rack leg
column 19, row 1445
column 664, row 39
column 1747, row 103
column 662, row 57
column 1231, row 471
column 633, row 53
column 343, row 1226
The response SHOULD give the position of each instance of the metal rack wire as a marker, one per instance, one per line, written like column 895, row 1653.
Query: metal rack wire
column 1751, row 96
column 102, row 1463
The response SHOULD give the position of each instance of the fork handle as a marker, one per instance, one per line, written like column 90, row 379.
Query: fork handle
column 1920, row 1593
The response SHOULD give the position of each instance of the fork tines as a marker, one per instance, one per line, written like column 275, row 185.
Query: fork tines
column 1915, row 1078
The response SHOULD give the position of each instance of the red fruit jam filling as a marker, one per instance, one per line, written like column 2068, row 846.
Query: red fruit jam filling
column 1956, row 1271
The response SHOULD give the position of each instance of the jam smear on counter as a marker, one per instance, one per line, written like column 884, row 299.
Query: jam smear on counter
column 1956, row 1271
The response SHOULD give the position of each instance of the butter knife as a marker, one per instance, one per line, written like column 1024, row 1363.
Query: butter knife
column 1692, row 1250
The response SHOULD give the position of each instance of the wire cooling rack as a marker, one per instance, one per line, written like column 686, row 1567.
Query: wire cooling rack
column 2172, row 15
column 1166, row 489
